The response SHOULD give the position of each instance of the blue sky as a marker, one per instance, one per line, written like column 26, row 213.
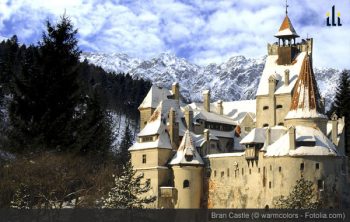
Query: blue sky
column 201, row 31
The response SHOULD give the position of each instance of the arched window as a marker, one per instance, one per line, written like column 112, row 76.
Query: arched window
column 186, row 184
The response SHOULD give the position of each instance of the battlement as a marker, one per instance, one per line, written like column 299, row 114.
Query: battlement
column 303, row 46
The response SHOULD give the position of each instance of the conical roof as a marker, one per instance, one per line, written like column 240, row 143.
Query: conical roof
column 187, row 153
column 306, row 101
column 286, row 29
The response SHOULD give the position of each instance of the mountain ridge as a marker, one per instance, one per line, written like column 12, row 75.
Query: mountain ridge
column 235, row 79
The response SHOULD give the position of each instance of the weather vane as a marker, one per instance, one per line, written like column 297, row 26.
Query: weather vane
column 287, row 7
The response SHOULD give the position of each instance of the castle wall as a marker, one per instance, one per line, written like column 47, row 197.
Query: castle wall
column 285, row 101
column 264, row 116
column 235, row 182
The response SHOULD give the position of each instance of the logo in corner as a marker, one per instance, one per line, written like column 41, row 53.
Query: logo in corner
column 332, row 21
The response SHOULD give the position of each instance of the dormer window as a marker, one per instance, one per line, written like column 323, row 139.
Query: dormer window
column 189, row 158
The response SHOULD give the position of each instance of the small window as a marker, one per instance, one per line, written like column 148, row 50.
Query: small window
column 214, row 173
column 270, row 168
column 270, row 184
column 228, row 172
column 302, row 166
column 281, row 124
column 279, row 169
column 144, row 158
column 266, row 125
column 317, row 166
column 250, row 171
column 279, row 107
column 242, row 171
column 222, row 173
column 265, row 107
column 320, row 185
column 145, row 122
column 186, row 184
column 259, row 170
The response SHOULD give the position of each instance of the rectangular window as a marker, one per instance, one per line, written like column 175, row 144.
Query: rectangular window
column 320, row 185
column 144, row 158
column 242, row 171
column 250, row 171
column 214, row 173
column 279, row 169
column 222, row 173
column 259, row 170
column 228, row 172
column 302, row 166
column 270, row 184
column 317, row 166
column 270, row 168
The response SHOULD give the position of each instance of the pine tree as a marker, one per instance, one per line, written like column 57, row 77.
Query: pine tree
column 126, row 143
column 128, row 191
column 301, row 197
column 341, row 105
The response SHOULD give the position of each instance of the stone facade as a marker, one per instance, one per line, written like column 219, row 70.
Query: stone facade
column 245, row 154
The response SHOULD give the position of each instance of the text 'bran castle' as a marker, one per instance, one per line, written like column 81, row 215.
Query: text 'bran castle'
column 244, row 154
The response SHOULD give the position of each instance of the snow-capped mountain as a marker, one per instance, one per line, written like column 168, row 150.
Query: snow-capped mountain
column 236, row 79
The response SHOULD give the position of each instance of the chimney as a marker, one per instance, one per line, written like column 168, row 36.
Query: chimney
column 219, row 107
column 286, row 77
column 175, row 90
column 268, row 136
column 189, row 118
column 206, row 135
column 272, row 85
column 206, row 100
column 173, row 129
column 334, row 119
column 291, row 133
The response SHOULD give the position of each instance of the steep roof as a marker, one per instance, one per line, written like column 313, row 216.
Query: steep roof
column 187, row 153
column 286, row 29
column 272, row 68
column 258, row 135
column 154, row 96
column 323, row 146
column 306, row 100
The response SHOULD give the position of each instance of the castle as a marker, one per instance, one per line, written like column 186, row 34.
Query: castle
column 244, row 154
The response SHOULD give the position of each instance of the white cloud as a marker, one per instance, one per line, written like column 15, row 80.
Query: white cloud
column 203, row 31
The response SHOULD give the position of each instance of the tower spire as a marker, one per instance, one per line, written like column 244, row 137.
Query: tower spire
column 287, row 7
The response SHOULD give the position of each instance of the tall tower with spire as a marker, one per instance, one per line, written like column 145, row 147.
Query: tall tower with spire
column 282, row 69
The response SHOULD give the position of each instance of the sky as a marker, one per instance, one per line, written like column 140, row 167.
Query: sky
column 201, row 31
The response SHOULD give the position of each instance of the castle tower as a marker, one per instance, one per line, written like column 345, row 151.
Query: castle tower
column 306, row 107
column 286, row 35
column 187, row 167
column 153, row 149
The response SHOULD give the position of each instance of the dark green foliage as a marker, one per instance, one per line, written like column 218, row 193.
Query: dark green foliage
column 126, row 143
column 301, row 197
column 129, row 190
column 341, row 105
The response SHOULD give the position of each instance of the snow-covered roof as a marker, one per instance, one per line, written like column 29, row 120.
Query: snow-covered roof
column 306, row 100
column 219, row 133
column 217, row 155
column 200, row 113
column 237, row 110
column 160, row 116
column 258, row 135
column 187, row 153
column 323, row 146
column 154, row 96
column 272, row 68
column 286, row 29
